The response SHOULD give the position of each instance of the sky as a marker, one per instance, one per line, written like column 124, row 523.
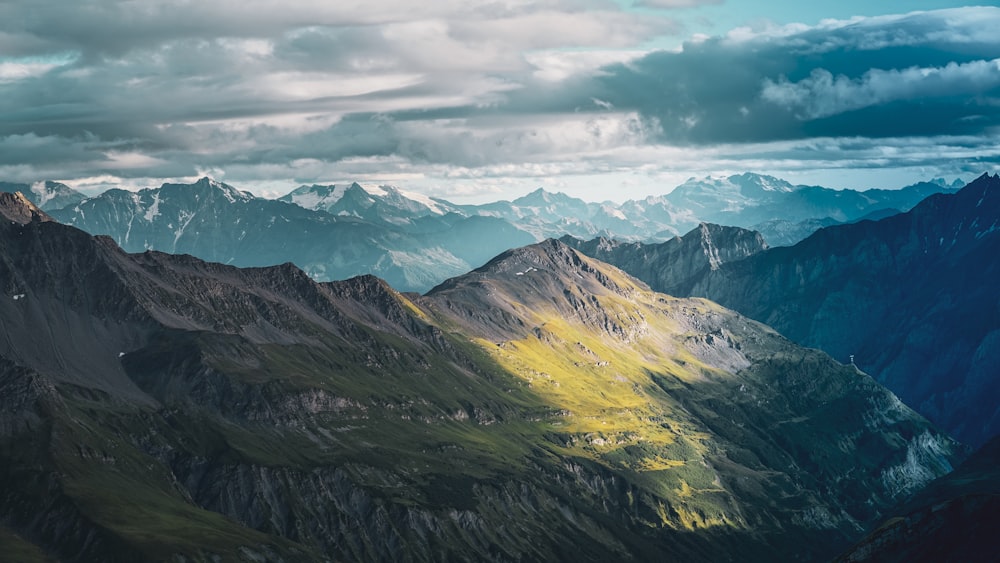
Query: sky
column 478, row 101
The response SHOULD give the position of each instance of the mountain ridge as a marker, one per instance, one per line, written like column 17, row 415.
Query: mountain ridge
column 274, row 417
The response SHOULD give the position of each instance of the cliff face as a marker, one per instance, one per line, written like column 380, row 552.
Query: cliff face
column 666, row 265
column 545, row 407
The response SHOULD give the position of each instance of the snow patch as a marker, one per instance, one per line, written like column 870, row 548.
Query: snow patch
column 154, row 210
column 184, row 219
column 377, row 191
column 18, row 296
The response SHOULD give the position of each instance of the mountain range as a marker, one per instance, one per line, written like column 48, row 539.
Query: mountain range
column 217, row 222
column 545, row 406
column 782, row 212
column 909, row 299
column 415, row 242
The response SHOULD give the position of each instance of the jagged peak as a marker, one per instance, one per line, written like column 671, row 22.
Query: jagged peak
column 17, row 208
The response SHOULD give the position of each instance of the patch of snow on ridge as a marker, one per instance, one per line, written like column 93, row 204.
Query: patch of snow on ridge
column 184, row 219
column 387, row 191
column 377, row 191
column 154, row 210
column 318, row 197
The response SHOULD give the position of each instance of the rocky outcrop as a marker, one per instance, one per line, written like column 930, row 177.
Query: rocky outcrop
column 16, row 208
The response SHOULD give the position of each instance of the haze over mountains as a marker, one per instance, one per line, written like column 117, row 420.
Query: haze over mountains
column 545, row 406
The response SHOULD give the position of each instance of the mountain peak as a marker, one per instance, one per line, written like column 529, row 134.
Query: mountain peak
column 541, row 197
column 15, row 207
column 530, row 280
column 209, row 185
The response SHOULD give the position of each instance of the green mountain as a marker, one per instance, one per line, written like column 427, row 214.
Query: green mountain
column 543, row 407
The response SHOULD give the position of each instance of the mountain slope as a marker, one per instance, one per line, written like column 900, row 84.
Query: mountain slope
column 161, row 407
column 910, row 297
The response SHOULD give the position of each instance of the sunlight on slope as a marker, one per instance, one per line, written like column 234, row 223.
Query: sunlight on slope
column 596, row 368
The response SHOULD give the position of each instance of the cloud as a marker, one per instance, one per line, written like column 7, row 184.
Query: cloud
column 672, row 4
column 822, row 94
column 477, row 90
column 931, row 73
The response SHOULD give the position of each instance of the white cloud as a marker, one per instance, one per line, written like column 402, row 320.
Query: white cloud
column 822, row 94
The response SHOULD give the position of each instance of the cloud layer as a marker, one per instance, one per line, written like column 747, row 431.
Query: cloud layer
column 460, row 96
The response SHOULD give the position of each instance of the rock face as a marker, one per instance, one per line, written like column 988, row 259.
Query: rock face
column 912, row 297
column 217, row 222
column 17, row 208
column 953, row 519
column 665, row 265
column 544, row 407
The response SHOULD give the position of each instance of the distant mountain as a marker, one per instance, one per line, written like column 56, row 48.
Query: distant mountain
column 217, row 222
column 545, row 407
column 911, row 297
column 46, row 195
column 953, row 519
column 545, row 214
column 781, row 232
column 386, row 204
column 762, row 202
column 784, row 213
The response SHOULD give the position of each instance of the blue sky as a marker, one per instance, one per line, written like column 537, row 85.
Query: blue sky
column 476, row 101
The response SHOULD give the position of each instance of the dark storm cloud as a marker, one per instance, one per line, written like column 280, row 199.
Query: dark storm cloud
column 934, row 73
